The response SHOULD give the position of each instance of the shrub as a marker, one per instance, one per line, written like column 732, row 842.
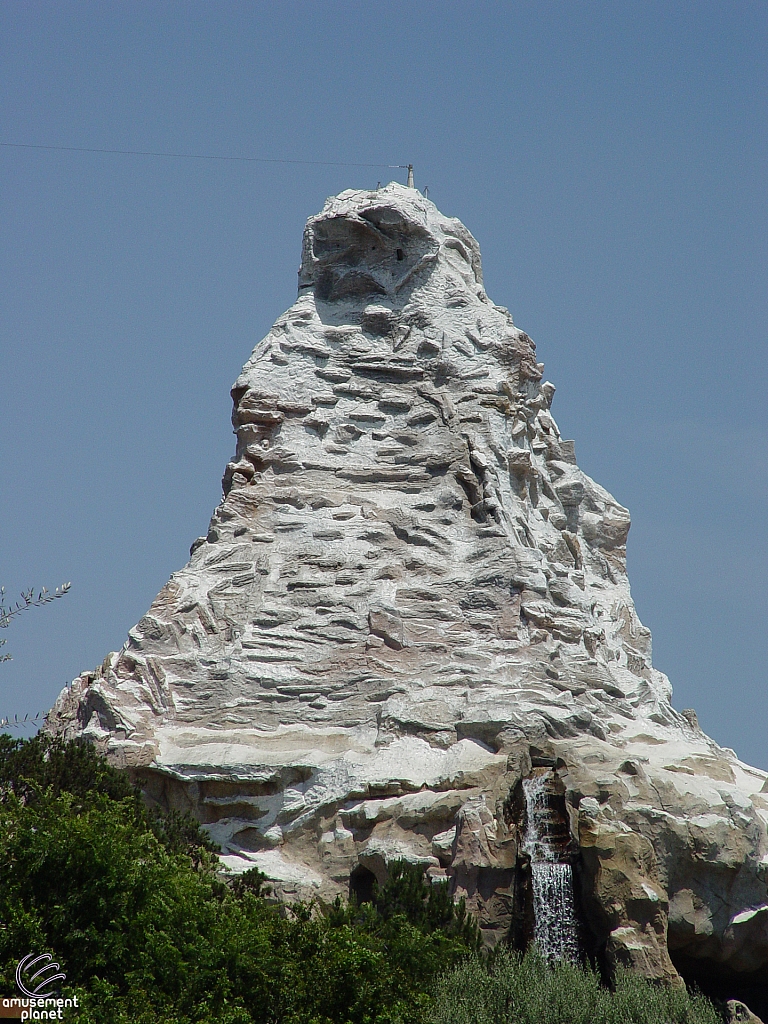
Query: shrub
column 133, row 906
column 513, row 989
column 36, row 771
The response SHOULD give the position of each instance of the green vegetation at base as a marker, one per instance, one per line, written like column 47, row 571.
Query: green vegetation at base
column 511, row 989
column 133, row 906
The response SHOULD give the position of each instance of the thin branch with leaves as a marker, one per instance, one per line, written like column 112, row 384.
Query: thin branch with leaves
column 28, row 600
column 14, row 723
column 7, row 613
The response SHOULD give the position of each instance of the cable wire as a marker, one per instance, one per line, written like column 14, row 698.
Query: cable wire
column 197, row 156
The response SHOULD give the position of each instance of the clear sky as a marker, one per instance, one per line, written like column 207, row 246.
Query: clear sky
column 610, row 157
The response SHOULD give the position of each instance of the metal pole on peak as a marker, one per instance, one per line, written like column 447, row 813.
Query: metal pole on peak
column 410, row 176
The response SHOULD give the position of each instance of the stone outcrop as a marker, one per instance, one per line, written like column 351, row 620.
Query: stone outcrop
column 409, row 595
column 737, row 1011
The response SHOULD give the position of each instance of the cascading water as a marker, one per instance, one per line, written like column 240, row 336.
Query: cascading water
column 553, row 903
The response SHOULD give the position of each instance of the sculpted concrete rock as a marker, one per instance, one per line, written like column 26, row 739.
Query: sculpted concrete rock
column 409, row 595
column 624, row 902
column 738, row 1011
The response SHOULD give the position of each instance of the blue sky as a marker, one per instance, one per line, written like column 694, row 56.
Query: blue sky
column 610, row 157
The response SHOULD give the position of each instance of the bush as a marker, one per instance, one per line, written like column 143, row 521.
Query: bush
column 514, row 989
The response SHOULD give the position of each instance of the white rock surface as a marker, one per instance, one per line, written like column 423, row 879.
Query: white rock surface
column 409, row 590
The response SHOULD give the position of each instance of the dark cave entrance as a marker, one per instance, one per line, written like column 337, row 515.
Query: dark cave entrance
column 720, row 984
column 361, row 885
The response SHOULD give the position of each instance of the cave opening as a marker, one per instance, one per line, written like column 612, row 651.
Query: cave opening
column 719, row 984
column 362, row 883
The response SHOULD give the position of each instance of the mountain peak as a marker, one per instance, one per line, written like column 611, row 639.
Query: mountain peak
column 408, row 598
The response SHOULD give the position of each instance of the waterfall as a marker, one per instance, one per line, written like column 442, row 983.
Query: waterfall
column 553, row 903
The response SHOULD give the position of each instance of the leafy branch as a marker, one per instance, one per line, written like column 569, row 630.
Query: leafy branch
column 28, row 600
column 13, row 723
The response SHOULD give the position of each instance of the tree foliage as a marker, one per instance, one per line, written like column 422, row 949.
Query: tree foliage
column 132, row 906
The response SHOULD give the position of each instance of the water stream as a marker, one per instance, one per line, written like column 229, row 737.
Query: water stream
column 553, row 903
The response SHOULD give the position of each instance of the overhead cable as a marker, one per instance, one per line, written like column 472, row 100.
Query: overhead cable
column 197, row 156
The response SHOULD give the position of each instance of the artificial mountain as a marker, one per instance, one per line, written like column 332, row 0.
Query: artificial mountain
column 409, row 600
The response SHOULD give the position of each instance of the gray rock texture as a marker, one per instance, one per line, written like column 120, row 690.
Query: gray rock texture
column 409, row 598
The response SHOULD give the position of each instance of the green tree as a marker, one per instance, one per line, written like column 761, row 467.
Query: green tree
column 407, row 893
column 134, row 908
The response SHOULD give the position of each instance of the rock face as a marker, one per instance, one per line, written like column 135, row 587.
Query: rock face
column 411, row 596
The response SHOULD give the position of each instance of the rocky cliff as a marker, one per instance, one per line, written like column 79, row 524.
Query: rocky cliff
column 410, row 598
